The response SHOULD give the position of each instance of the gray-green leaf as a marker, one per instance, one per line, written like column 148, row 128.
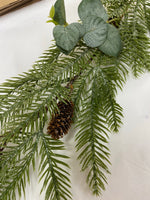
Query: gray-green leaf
column 96, row 31
column 92, row 7
column 66, row 37
column 62, row 50
column 60, row 14
column 80, row 28
column 113, row 45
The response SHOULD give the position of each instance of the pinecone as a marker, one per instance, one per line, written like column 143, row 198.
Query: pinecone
column 61, row 121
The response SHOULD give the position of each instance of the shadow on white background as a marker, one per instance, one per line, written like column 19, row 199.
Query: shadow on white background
column 24, row 35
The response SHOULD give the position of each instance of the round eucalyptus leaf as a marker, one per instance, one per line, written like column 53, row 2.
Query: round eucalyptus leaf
column 80, row 28
column 60, row 14
column 113, row 45
column 92, row 7
column 96, row 31
column 62, row 50
column 66, row 37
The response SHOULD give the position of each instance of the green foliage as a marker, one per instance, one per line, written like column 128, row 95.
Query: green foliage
column 66, row 37
column 52, row 12
column 15, row 163
column 60, row 14
column 92, row 7
column 92, row 137
column 53, row 170
column 90, row 79
column 147, row 14
column 136, row 40
column 17, row 159
column 80, row 28
column 112, row 45
column 95, row 31
column 57, row 13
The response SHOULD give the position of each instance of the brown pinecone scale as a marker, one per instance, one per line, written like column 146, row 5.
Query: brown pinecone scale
column 61, row 121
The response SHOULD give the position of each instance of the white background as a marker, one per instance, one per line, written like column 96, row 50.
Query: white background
column 24, row 35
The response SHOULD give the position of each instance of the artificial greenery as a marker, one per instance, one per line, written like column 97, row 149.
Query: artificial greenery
column 58, row 14
column 94, row 29
column 99, row 58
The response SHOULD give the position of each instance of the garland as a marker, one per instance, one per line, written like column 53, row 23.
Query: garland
column 75, row 81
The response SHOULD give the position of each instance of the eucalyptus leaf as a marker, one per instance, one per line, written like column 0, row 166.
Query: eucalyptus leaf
column 60, row 14
column 96, row 31
column 62, row 50
column 92, row 7
column 66, row 37
column 113, row 45
column 80, row 28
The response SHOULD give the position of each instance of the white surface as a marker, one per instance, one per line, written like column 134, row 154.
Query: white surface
column 24, row 35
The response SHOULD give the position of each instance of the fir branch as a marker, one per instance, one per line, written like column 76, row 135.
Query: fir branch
column 117, row 9
column 109, row 80
column 113, row 112
column 110, row 75
column 136, row 43
column 92, row 139
column 23, row 153
column 40, row 69
column 147, row 13
column 17, row 94
column 15, row 167
column 31, row 120
column 22, row 109
column 26, row 93
column 111, row 109
column 133, row 20
column 13, row 153
column 53, row 170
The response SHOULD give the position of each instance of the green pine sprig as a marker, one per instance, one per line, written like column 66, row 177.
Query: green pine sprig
column 54, row 170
